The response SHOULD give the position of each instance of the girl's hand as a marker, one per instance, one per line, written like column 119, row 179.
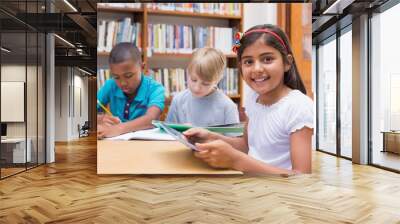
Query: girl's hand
column 198, row 135
column 219, row 154
column 108, row 120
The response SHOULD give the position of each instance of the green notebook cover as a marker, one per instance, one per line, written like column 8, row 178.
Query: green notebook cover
column 234, row 128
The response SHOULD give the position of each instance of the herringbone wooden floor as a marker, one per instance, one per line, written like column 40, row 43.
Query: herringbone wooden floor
column 69, row 191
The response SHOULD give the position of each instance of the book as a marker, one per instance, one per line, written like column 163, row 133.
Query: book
column 183, row 39
column 232, row 9
column 229, row 128
column 149, row 134
column 121, row 5
column 111, row 32
column 102, row 76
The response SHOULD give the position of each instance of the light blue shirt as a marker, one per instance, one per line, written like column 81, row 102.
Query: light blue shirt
column 214, row 109
column 149, row 93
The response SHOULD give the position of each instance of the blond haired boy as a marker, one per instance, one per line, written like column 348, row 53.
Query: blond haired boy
column 203, row 104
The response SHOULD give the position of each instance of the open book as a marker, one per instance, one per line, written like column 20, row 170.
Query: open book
column 149, row 134
column 228, row 128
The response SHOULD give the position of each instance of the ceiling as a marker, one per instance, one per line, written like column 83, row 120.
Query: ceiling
column 76, row 24
column 330, row 15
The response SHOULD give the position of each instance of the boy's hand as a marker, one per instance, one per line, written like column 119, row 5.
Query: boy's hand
column 198, row 135
column 219, row 154
column 100, row 131
column 108, row 120
column 104, row 131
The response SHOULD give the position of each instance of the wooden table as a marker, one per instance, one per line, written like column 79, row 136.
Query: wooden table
column 150, row 157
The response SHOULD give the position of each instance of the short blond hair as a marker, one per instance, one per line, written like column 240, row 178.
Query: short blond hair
column 208, row 63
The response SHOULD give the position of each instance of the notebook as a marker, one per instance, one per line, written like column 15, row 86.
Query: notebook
column 149, row 134
column 228, row 128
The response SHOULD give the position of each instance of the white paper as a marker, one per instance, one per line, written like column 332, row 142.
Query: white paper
column 150, row 134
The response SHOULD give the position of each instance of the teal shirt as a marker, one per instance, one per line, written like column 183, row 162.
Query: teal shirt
column 150, row 93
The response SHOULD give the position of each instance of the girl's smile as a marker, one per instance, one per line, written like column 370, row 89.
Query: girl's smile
column 261, row 79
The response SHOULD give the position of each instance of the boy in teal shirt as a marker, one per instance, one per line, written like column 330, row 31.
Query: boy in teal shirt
column 133, row 98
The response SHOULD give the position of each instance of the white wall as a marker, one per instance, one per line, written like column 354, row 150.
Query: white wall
column 259, row 13
column 256, row 14
column 12, row 101
column 14, row 72
column 17, row 73
column 33, row 126
column 61, row 103
column 71, row 102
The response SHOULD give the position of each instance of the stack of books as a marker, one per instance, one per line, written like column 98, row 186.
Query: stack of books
column 173, row 79
column 231, row 9
column 120, row 5
column 102, row 76
column 229, row 83
column 112, row 32
column 167, row 38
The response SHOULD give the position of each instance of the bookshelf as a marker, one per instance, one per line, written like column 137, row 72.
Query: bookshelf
column 221, row 19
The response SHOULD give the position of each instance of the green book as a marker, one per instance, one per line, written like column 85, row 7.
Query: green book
column 229, row 128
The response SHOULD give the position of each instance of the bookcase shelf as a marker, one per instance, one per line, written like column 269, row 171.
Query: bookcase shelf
column 119, row 9
column 192, row 14
column 178, row 55
column 181, row 55
column 103, row 54
column 168, row 99
column 234, row 96
column 146, row 16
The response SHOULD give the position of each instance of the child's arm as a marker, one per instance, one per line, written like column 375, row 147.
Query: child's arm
column 140, row 123
column 103, row 98
column 219, row 154
column 300, row 153
column 300, row 150
column 203, row 135
column 222, row 155
column 143, row 122
column 107, row 120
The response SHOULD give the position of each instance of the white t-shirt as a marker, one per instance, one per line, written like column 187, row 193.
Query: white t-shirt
column 270, row 126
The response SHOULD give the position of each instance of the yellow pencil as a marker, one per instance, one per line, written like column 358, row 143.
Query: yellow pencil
column 104, row 108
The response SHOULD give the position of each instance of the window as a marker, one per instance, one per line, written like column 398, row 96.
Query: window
column 385, row 89
column 326, row 104
column 346, row 93
column 22, row 74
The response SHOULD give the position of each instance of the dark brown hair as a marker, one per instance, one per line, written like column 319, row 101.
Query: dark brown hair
column 292, row 77
column 124, row 51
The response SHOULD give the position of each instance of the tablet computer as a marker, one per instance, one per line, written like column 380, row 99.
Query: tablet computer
column 178, row 136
